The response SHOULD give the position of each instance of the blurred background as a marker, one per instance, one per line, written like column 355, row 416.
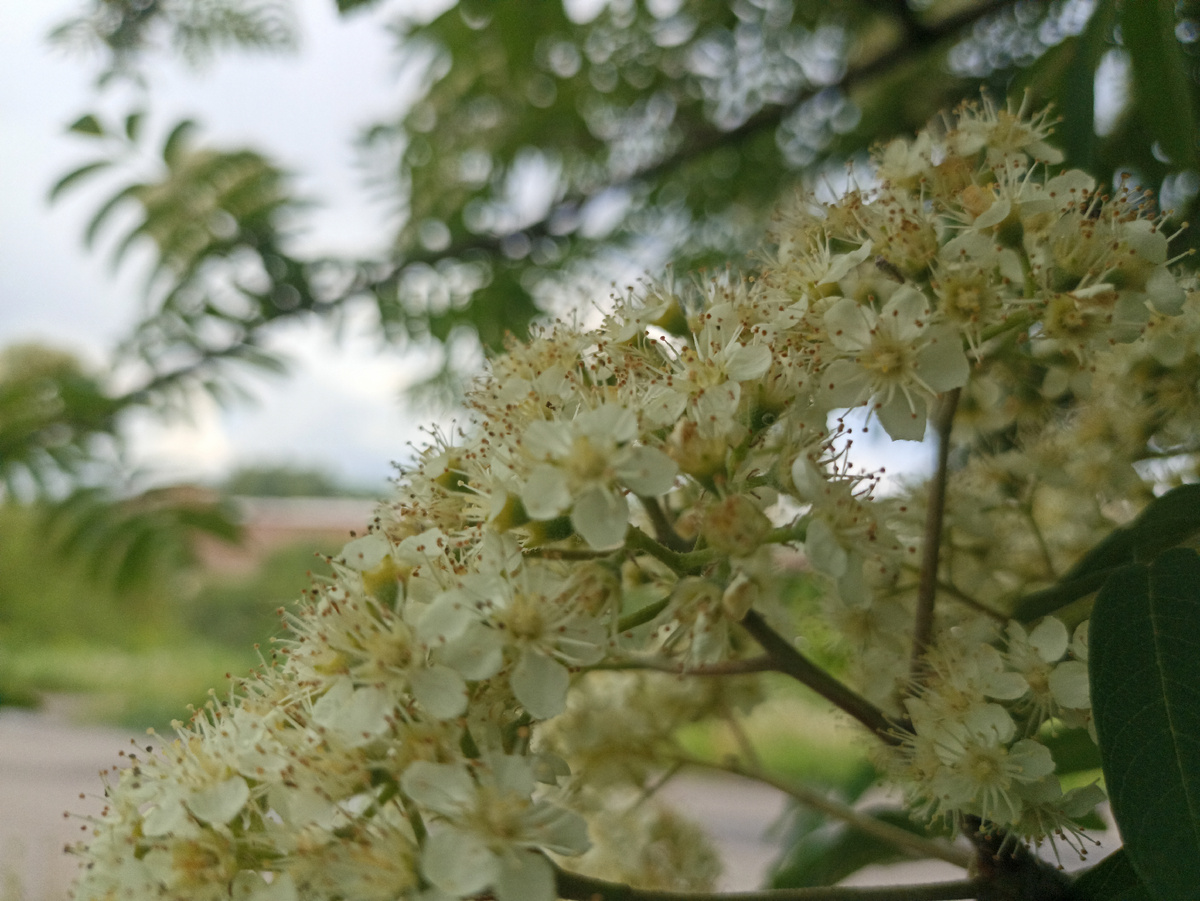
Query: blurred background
column 248, row 246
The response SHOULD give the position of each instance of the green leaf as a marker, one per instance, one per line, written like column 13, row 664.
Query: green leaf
column 819, row 851
column 1166, row 521
column 76, row 175
column 1145, row 678
column 87, row 125
column 133, row 125
column 1161, row 89
column 1112, row 879
column 1073, row 751
column 829, row 852
column 1066, row 77
column 106, row 209
column 176, row 140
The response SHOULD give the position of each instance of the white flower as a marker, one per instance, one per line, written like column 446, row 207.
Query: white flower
column 980, row 770
column 531, row 612
column 895, row 358
column 488, row 828
column 583, row 464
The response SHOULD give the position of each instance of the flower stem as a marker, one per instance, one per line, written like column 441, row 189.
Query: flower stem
column 934, row 514
column 791, row 662
column 664, row 530
column 917, row 846
column 682, row 563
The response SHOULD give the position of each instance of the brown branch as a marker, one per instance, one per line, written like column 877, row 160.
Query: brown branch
column 930, row 552
column 910, row 843
column 791, row 662
column 574, row 887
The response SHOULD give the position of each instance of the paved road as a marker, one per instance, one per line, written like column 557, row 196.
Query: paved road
column 49, row 766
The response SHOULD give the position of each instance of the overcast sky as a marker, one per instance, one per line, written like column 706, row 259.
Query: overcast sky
column 340, row 407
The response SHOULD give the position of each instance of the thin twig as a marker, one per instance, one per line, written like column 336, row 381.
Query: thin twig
column 953, row 591
column 934, row 514
column 681, row 563
column 791, row 662
column 910, row 843
column 664, row 531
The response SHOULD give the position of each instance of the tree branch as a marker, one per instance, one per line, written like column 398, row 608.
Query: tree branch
column 930, row 552
column 574, row 887
column 791, row 662
column 916, row 846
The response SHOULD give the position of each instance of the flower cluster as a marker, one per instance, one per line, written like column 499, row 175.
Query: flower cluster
column 633, row 495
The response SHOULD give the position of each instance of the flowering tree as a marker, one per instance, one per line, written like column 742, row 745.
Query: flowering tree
column 474, row 703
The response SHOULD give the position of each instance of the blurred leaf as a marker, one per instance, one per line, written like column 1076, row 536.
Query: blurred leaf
column 820, row 851
column 1167, row 521
column 129, row 192
column 87, row 125
column 177, row 138
column 77, row 175
column 52, row 415
column 1066, row 77
column 133, row 543
column 133, row 125
column 1145, row 684
column 195, row 29
column 1162, row 93
column 1073, row 750
column 1112, row 879
column 828, row 854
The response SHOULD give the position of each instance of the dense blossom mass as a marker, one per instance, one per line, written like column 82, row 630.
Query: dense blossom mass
column 476, row 695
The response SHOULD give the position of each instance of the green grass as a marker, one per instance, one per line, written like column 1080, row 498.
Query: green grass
column 137, row 688
column 136, row 659
column 792, row 735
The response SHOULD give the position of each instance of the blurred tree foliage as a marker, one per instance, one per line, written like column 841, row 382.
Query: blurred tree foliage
column 282, row 480
column 557, row 148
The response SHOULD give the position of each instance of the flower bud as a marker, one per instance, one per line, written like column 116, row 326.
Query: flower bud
column 697, row 456
column 735, row 526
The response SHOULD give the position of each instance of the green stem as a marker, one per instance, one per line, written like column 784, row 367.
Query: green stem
column 930, row 551
column 1015, row 322
column 681, row 563
column 910, row 843
column 1043, row 545
column 565, row 553
column 797, row 531
column 574, row 887
column 642, row 615
column 664, row 531
column 953, row 591
column 791, row 662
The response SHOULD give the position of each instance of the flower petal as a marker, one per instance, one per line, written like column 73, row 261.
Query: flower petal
column 459, row 863
column 525, row 876
column 646, row 471
column 540, row 684
column 601, row 517
column 440, row 690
